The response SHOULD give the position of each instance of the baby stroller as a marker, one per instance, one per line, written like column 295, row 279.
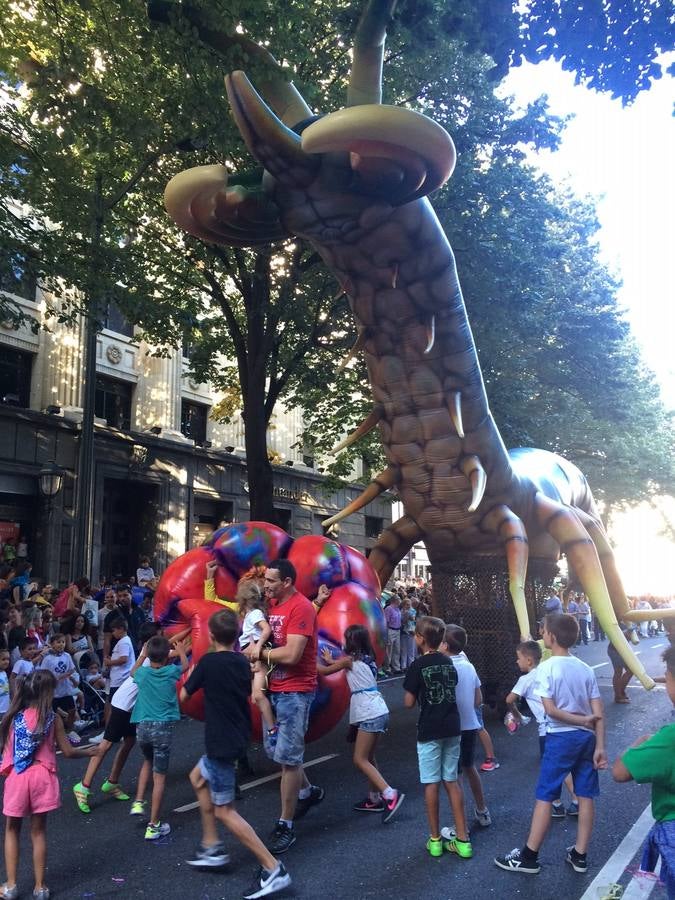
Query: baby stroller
column 94, row 698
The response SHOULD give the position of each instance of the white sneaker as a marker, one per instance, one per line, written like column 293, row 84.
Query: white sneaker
column 448, row 834
column 96, row 739
column 79, row 724
column 268, row 883
column 74, row 738
column 483, row 818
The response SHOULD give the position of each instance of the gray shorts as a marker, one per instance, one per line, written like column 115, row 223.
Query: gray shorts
column 154, row 739
column 292, row 713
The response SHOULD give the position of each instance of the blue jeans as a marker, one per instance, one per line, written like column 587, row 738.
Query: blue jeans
column 292, row 714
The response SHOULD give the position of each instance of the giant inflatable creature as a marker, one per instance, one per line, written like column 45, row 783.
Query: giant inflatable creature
column 354, row 183
column 181, row 608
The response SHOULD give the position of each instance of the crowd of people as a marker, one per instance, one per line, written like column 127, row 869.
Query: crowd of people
column 265, row 649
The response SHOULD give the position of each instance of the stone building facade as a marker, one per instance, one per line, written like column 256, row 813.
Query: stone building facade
column 165, row 473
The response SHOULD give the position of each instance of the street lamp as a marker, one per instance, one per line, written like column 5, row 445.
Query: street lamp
column 51, row 480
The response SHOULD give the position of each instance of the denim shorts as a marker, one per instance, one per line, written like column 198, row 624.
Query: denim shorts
column 221, row 778
column 568, row 751
column 378, row 725
column 292, row 714
column 154, row 739
column 438, row 760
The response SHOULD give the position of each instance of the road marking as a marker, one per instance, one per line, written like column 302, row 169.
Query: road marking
column 599, row 665
column 622, row 856
column 642, row 884
column 251, row 784
column 654, row 646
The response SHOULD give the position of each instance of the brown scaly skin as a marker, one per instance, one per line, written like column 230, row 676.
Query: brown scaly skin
column 355, row 192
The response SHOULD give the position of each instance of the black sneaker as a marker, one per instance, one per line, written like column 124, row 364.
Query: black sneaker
column 558, row 810
column 512, row 862
column 368, row 805
column 282, row 839
column 578, row 862
column 267, row 883
column 316, row 795
column 209, row 857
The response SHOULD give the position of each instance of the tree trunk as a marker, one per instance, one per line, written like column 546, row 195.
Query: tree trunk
column 260, row 474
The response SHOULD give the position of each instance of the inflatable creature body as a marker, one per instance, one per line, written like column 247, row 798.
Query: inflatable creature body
column 353, row 184
column 180, row 605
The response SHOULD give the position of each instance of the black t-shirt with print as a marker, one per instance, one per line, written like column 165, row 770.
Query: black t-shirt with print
column 226, row 679
column 432, row 678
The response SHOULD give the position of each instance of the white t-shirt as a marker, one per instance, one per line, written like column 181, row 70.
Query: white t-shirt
column 22, row 667
column 122, row 648
column 250, row 629
column 571, row 684
column 126, row 693
column 524, row 687
column 4, row 693
column 465, row 692
column 144, row 574
column 367, row 702
column 60, row 664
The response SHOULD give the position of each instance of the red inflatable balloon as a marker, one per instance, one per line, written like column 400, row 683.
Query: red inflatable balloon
column 180, row 603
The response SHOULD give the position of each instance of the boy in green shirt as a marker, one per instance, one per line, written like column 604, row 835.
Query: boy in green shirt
column 652, row 759
column 156, row 712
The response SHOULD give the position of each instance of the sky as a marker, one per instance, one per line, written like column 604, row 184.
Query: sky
column 624, row 157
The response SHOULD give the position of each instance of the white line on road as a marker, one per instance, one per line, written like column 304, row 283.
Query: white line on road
column 654, row 646
column 624, row 853
column 598, row 666
column 251, row 784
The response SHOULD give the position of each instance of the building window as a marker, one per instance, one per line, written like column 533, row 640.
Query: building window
column 15, row 371
column 374, row 526
column 18, row 275
column 113, row 402
column 193, row 418
column 284, row 518
column 115, row 320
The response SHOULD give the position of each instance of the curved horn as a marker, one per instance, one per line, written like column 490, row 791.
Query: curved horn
column 474, row 471
column 417, row 144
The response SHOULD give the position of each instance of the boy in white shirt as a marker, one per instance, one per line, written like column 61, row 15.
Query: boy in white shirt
column 575, row 742
column 528, row 657
column 4, row 682
column 469, row 697
column 122, row 658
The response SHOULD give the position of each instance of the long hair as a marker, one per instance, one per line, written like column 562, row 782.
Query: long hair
column 357, row 642
column 36, row 691
column 250, row 596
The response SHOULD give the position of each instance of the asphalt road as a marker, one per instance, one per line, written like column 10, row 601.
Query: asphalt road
column 342, row 854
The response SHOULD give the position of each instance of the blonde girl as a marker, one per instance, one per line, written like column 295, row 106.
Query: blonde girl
column 255, row 633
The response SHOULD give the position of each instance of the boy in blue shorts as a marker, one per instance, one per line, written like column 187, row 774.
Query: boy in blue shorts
column 225, row 677
column 651, row 759
column 575, row 743
column 431, row 682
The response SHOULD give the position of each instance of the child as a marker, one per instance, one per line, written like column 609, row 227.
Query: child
column 575, row 742
column 431, row 681
column 469, row 698
column 27, row 735
column 226, row 680
column 4, row 683
column 650, row 759
column 121, row 660
column 118, row 728
column 94, row 677
column 62, row 667
column 155, row 714
column 28, row 651
column 255, row 633
column 368, row 713
column 528, row 657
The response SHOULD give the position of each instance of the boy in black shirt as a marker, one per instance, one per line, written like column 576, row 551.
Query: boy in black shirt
column 225, row 677
column 430, row 682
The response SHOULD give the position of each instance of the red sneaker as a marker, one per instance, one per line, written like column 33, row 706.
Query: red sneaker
column 489, row 765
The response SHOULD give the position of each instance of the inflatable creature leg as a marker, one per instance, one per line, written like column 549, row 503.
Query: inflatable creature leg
column 511, row 532
column 612, row 578
column 565, row 528
column 392, row 545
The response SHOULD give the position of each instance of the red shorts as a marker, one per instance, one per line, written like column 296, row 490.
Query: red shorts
column 35, row 790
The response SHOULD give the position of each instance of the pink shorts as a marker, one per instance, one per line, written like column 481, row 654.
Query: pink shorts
column 35, row 790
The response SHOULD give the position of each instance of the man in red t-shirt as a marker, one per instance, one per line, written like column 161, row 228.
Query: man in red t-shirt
column 292, row 684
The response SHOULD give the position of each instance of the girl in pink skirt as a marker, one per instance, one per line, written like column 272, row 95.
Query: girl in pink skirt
column 28, row 735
